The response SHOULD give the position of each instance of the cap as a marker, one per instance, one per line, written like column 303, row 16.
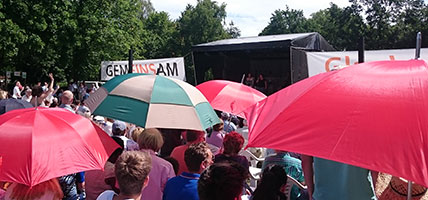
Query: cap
column 119, row 125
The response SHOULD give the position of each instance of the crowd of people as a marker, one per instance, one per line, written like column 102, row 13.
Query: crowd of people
column 168, row 164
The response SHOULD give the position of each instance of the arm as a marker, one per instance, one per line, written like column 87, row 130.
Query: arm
column 308, row 171
column 50, row 90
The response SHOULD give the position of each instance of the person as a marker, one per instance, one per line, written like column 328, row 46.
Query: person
column 229, row 126
column 17, row 90
column 150, row 141
column 3, row 94
column 47, row 190
column 261, row 84
column 27, row 95
column 38, row 94
column 216, row 137
column 272, row 184
column 185, row 187
column 232, row 144
column 249, row 80
column 172, row 139
column 136, row 133
column 98, row 181
column 355, row 182
column 71, row 185
column 292, row 166
column 119, row 130
column 222, row 181
column 66, row 100
column 132, row 171
column 192, row 136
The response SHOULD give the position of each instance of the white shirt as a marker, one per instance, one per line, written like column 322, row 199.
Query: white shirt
column 26, row 98
column 16, row 92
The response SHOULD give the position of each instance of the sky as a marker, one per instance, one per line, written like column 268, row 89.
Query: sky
column 250, row 16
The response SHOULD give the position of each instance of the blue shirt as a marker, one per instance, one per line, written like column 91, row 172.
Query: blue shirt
column 334, row 180
column 183, row 187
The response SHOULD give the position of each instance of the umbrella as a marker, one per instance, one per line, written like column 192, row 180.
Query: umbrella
column 372, row 115
column 40, row 144
column 7, row 105
column 230, row 96
column 152, row 101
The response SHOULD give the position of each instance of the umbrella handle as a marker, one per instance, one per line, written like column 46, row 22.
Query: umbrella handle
column 409, row 190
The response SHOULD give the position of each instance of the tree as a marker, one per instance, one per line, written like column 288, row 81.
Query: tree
column 233, row 31
column 286, row 21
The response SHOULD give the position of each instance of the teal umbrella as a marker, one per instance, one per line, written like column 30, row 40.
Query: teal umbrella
column 153, row 101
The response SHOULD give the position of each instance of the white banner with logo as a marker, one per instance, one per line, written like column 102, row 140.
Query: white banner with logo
column 319, row 62
column 172, row 67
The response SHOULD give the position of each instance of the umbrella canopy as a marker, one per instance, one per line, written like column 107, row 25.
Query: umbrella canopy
column 153, row 101
column 7, row 105
column 372, row 115
column 40, row 144
column 230, row 96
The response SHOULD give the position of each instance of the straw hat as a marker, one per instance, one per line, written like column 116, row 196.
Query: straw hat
column 397, row 190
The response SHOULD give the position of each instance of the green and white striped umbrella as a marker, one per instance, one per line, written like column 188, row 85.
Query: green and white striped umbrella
column 153, row 101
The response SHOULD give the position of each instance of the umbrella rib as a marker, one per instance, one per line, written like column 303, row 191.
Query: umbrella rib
column 295, row 99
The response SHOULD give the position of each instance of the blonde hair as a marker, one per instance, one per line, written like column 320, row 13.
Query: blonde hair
column 136, row 132
column 24, row 192
column 150, row 138
column 3, row 94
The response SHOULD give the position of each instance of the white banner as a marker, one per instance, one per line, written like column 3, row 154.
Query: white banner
column 172, row 67
column 319, row 62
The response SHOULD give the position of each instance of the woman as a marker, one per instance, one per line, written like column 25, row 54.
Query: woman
column 249, row 80
column 48, row 190
column 261, row 84
column 39, row 95
column 216, row 137
column 272, row 184
column 232, row 144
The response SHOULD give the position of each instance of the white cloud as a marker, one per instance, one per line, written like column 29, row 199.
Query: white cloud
column 250, row 16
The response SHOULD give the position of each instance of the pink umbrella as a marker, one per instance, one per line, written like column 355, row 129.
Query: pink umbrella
column 230, row 96
column 372, row 115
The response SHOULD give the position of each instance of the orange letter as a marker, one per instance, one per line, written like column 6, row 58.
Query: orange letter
column 151, row 67
column 391, row 57
column 327, row 63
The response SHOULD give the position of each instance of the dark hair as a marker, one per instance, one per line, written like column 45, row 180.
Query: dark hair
column 233, row 143
column 37, row 91
column 195, row 155
column 272, row 179
column 222, row 181
column 193, row 135
column 174, row 163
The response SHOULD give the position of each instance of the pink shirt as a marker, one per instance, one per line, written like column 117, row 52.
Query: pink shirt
column 95, row 181
column 178, row 154
column 161, row 171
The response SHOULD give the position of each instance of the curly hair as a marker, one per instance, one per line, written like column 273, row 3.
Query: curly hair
column 233, row 143
column 195, row 155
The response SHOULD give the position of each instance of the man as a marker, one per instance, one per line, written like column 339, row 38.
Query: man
column 66, row 100
column 131, row 170
column 27, row 97
column 17, row 90
column 229, row 126
column 119, row 130
column 334, row 180
column 185, row 187
column 192, row 137
column 292, row 166
column 222, row 181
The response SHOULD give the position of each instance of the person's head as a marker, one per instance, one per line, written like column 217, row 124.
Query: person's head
column 18, row 83
column 273, row 181
column 222, row 181
column 67, row 97
column 249, row 75
column 219, row 126
column 198, row 157
column 136, row 132
column 118, row 128
column 150, row 138
column 224, row 116
column 193, row 136
column 28, row 92
column 261, row 76
column 37, row 91
column 233, row 143
column 3, row 94
column 132, row 172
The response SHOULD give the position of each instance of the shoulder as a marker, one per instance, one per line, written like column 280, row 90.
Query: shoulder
column 106, row 195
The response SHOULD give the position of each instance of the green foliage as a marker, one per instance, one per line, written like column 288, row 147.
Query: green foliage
column 286, row 21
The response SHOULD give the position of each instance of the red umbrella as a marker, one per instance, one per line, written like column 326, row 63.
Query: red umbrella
column 40, row 144
column 230, row 96
column 372, row 115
